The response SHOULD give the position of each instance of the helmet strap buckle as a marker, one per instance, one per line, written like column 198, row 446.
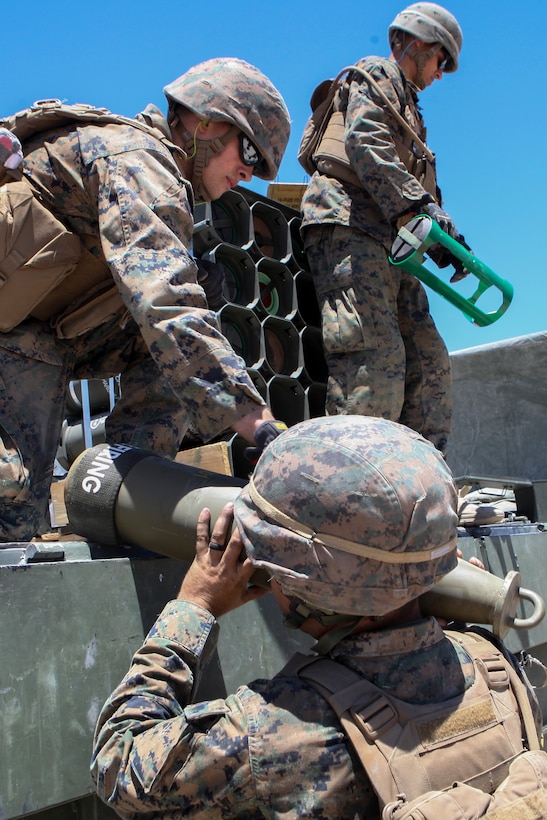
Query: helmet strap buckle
column 297, row 614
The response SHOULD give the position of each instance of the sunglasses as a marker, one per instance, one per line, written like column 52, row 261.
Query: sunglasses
column 442, row 62
column 248, row 151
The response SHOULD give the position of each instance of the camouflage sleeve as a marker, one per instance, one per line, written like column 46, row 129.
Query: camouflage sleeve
column 371, row 148
column 147, row 754
column 146, row 224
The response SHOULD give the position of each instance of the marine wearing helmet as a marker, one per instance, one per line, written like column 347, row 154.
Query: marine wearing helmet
column 354, row 516
column 223, row 101
column 430, row 24
column 351, row 515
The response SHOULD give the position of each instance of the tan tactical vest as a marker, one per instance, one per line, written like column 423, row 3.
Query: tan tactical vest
column 409, row 749
column 45, row 270
column 323, row 144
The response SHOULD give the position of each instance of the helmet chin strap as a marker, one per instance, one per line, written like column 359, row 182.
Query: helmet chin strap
column 419, row 59
column 340, row 626
column 201, row 152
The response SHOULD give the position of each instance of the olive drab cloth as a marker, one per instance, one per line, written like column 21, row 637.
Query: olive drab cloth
column 119, row 189
column 274, row 748
column 385, row 356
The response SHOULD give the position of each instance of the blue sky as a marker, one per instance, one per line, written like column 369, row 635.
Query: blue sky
column 486, row 123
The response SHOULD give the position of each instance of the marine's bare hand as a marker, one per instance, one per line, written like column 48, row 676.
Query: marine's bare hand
column 217, row 579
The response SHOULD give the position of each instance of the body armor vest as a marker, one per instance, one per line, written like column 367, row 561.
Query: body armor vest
column 410, row 749
column 323, row 144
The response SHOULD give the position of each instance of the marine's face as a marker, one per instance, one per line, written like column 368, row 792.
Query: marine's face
column 433, row 69
column 227, row 169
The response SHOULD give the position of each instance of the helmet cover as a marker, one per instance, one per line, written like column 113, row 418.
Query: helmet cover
column 227, row 89
column 351, row 514
column 432, row 24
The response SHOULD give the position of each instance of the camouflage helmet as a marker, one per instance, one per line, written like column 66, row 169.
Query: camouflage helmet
column 227, row 89
column 430, row 23
column 350, row 514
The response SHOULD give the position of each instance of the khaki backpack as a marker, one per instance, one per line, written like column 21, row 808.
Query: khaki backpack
column 37, row 252
column 410, row 753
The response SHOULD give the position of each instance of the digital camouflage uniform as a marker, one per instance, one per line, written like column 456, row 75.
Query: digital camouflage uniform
column 275, row 748
column 119, row 189
column 385, row 356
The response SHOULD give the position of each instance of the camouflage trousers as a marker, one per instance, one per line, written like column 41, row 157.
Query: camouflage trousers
column 35, row 369
column 385, row 356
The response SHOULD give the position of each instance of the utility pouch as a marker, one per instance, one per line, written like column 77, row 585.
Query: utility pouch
column 523, row 794
column 322, row 147
column 330, row 155
column 36, row 252
column 98, row 308
column 321, row 106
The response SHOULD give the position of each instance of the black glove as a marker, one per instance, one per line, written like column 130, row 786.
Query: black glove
column 442, row 219
column 211, row 277
column 460, row 272
column 264, row 435
column 443, row 257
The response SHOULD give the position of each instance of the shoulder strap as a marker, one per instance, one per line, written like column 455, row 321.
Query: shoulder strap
column 356, row 701
column 46, row 114
column 387, row 102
